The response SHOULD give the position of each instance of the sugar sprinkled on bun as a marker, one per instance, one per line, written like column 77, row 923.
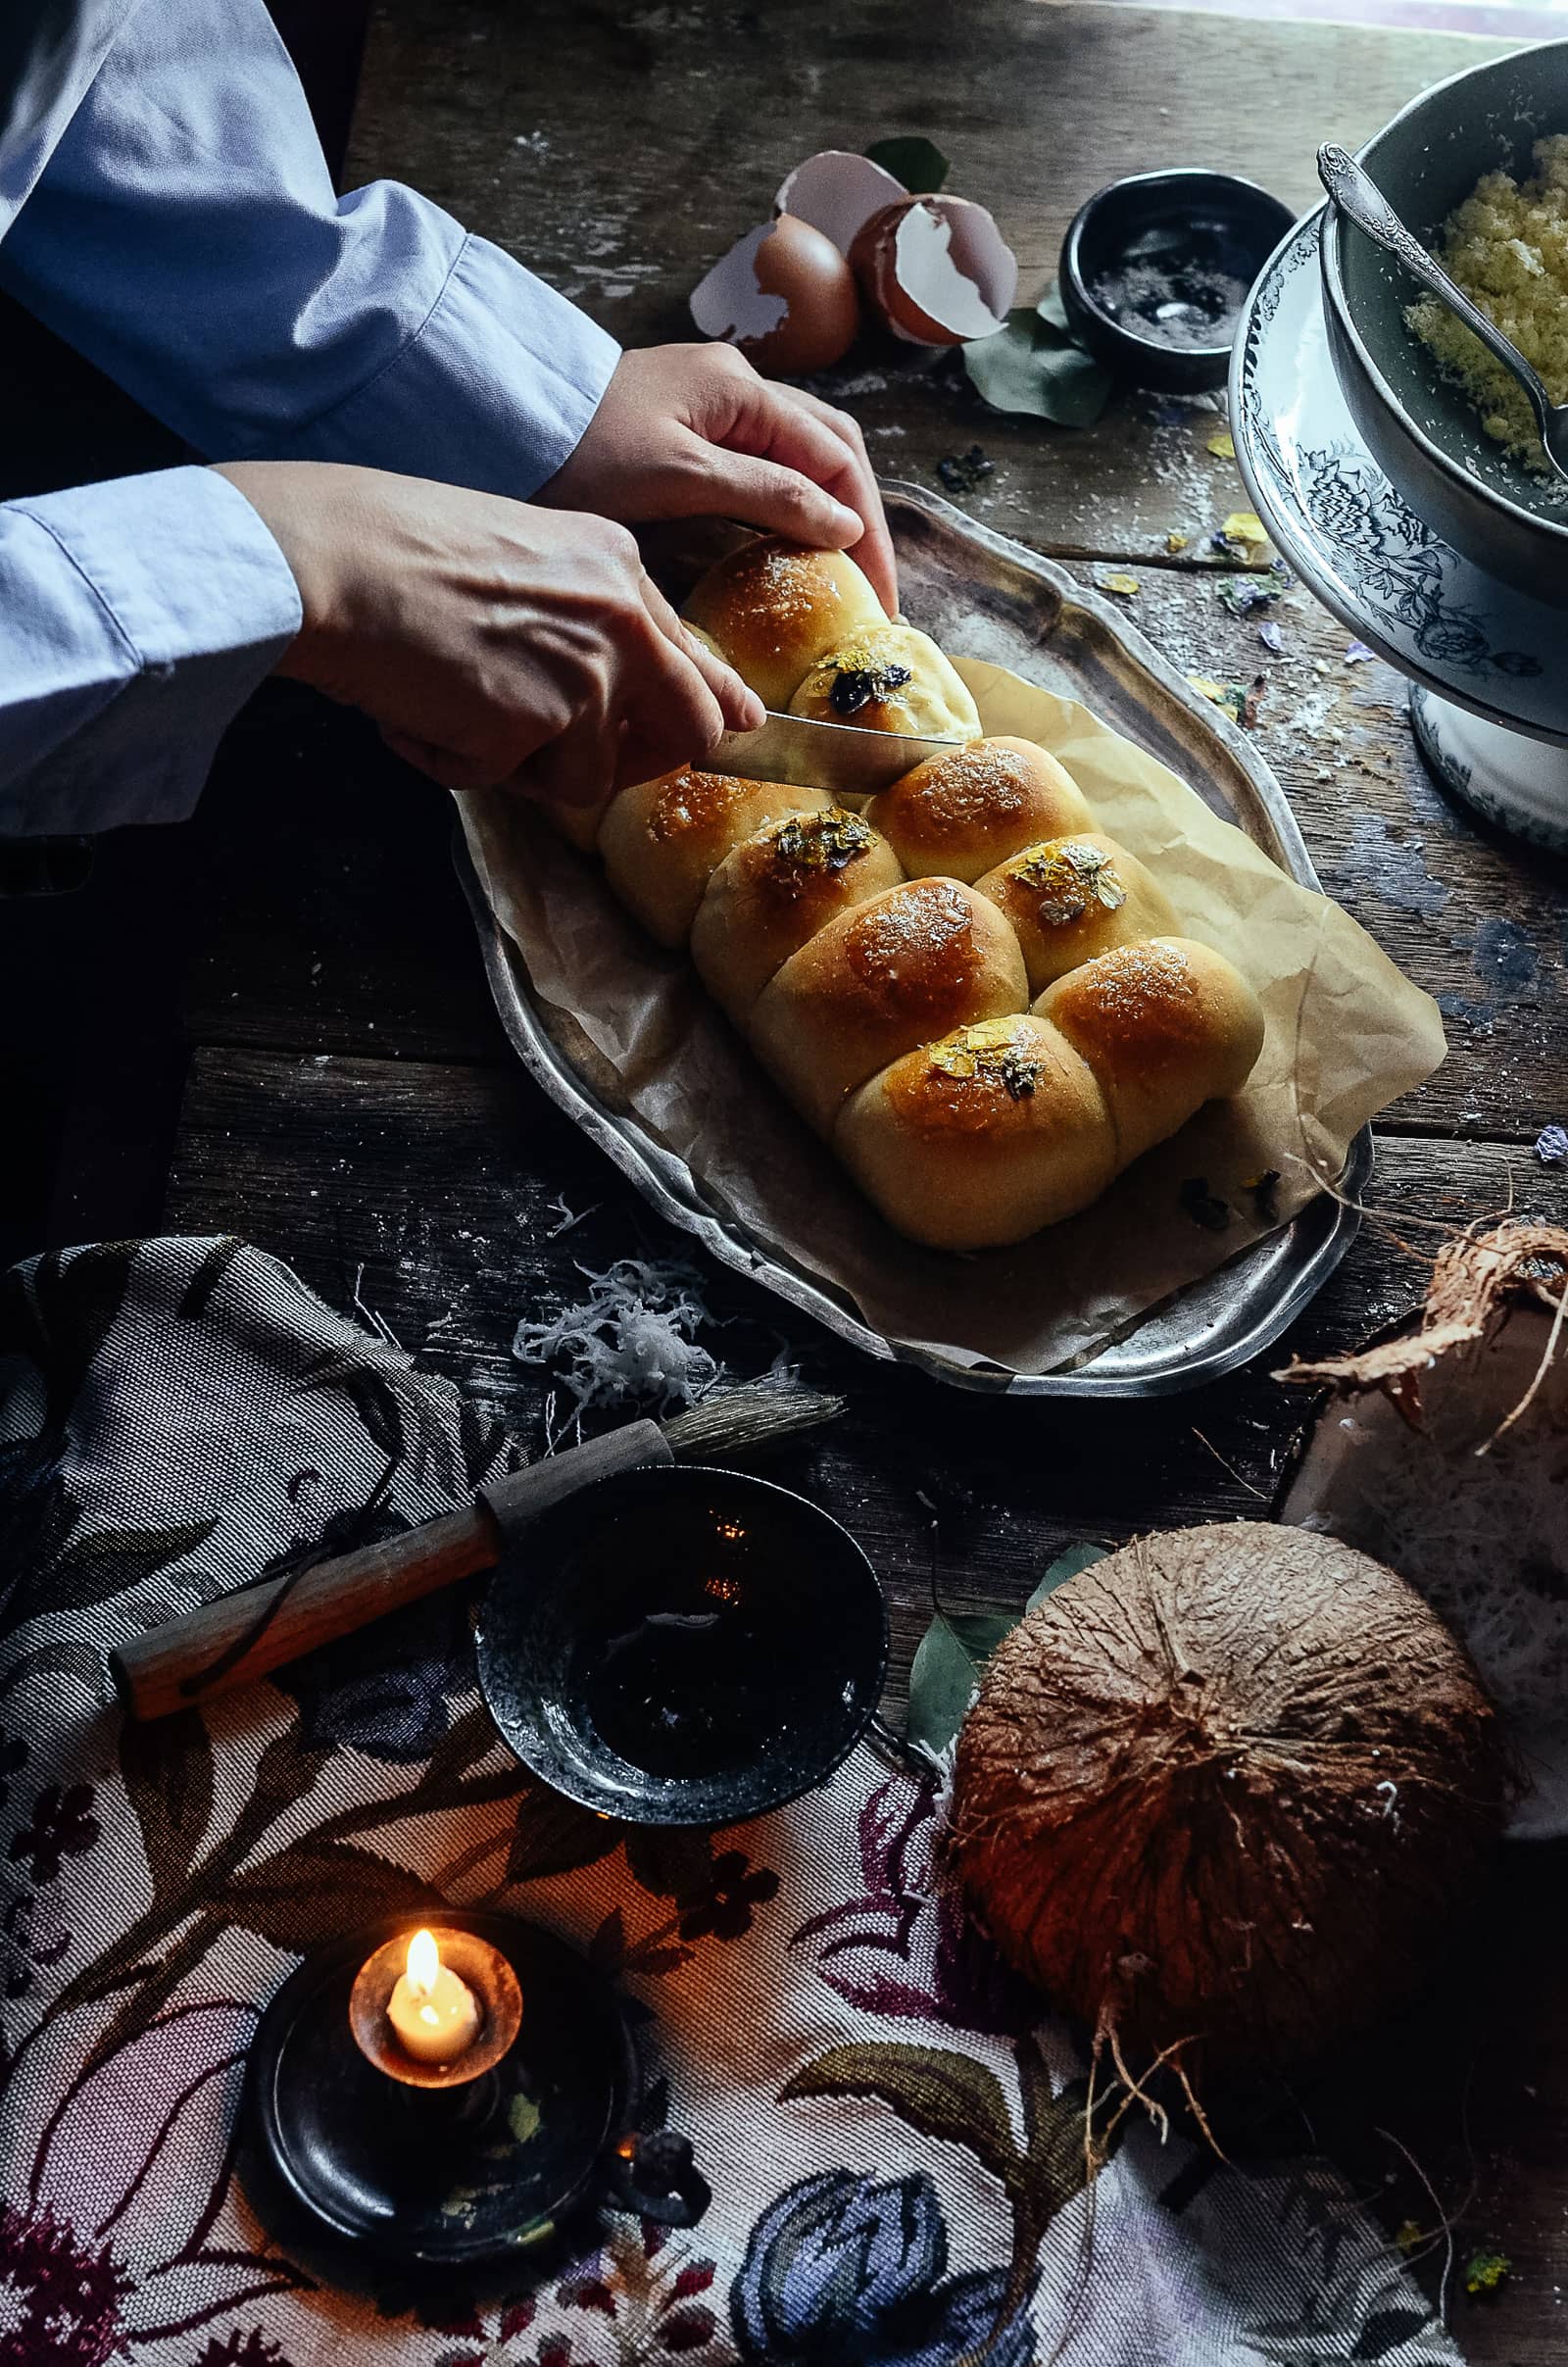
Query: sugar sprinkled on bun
column 771, row 609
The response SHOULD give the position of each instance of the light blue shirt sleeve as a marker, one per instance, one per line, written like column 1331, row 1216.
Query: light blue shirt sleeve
column 135, row 618
column 184, row 235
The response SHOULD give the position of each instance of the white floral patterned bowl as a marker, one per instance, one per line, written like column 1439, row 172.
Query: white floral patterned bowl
column 1418, row 424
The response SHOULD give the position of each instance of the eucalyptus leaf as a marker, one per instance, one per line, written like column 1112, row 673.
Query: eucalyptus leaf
column 1052, row 310
column 918, row 162
column 1067, row 1565
column 951, row 1656
column 942, row 1682
column 1031, row 366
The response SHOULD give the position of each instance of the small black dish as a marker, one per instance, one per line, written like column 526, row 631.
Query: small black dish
column 1155, row 270
column 683, row 1646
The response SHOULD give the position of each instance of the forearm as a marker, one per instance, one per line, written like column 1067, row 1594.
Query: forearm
column 186, row 236
column 135, row 618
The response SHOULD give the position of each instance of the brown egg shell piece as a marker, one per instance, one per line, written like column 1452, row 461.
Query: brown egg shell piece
column 784, row 295
column 838, row 192
column 936, row 271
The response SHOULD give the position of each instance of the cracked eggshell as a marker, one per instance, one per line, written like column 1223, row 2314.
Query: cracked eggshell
column 838, row 192
column 784, row 295
column 936, row 271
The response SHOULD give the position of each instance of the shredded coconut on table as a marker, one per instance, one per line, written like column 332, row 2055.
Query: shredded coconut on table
column 632, row 1337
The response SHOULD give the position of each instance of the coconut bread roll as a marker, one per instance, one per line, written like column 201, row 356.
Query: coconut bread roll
column 966, row 810
column 770, row 609
column 662, row 840
column 580, row 823
column 1165, row 1025
column 981, row 1138
column 1069, row 899
column 909, row 965
column 889, row 679
column 775, row 890
column 896, row 1010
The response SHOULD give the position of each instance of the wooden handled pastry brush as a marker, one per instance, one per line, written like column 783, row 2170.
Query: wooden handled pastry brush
column 246, row 1634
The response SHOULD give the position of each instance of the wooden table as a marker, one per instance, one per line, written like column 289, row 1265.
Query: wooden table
column 350, row 1101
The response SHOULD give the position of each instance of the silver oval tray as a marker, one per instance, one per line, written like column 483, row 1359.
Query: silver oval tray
column 1083, row 648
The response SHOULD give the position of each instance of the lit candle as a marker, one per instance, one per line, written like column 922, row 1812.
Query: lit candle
column 435, row 2015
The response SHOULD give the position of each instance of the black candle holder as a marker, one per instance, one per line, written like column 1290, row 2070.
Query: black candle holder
column 366, row 2174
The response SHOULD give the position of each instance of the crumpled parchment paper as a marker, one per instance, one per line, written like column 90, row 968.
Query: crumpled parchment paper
column 1346, row 1034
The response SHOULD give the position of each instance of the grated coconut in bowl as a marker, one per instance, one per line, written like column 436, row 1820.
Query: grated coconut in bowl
column 1507, row 248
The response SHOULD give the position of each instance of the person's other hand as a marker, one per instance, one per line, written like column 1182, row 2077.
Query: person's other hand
column 691, row 430
column 492, row 641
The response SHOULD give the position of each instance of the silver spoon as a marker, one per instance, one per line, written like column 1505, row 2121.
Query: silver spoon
column 1359, row 196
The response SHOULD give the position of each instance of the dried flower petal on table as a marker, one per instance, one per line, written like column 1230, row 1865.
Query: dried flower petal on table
column 1240, row 700
column 1271, row 637
column 1202, row 1206
column 1245, row 526
column 1222, row 445
column 961, row 471
column 1177, row 542
column 1242, row 594
column 1551, row 1146
column 1486, row 2271
column 1357, row 653
column 1128, row 585
column 1261, row 1191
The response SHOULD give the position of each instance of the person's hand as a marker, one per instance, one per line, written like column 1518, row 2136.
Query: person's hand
column 492, row 641
column 691, row 430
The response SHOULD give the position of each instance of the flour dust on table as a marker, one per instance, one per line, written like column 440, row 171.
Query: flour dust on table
column 895, row 2138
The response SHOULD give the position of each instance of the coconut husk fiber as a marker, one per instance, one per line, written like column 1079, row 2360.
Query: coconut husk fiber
column 1219, row 1790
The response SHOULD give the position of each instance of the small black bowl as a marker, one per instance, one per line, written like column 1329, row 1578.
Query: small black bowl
column 683, row 1646
column 1183, row 247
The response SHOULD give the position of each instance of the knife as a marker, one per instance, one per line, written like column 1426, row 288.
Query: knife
column 840, row 757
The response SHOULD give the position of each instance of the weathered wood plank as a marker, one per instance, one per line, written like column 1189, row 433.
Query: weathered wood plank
column 445, row 1184
column 619, row 149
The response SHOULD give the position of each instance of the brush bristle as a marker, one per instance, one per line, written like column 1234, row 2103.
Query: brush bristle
column 739, row 1421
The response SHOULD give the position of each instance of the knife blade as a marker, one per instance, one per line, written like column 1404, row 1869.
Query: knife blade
column 840, row 757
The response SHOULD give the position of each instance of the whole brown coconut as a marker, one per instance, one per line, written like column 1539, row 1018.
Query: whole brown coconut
column 1225, row 1787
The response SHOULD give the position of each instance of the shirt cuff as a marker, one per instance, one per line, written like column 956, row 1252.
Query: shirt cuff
column 493, row 391
column 181, row 605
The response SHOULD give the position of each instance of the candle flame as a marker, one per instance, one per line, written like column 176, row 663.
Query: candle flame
column 424, row 1962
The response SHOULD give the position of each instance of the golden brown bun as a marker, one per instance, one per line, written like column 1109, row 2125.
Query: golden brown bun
column 771, row 609
column 662, row 840
column 1166, row 1026
column 777, row 890
column 580, row 823
column 889, row 679
column 964, row 813
column 909, row 965
column 1070, row 899
column 982, row 1138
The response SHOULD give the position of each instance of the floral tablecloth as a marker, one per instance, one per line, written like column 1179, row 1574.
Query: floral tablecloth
column 895, row 2140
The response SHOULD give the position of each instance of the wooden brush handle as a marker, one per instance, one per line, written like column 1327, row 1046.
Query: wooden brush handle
column 245, row 1635
column 194, row 1658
